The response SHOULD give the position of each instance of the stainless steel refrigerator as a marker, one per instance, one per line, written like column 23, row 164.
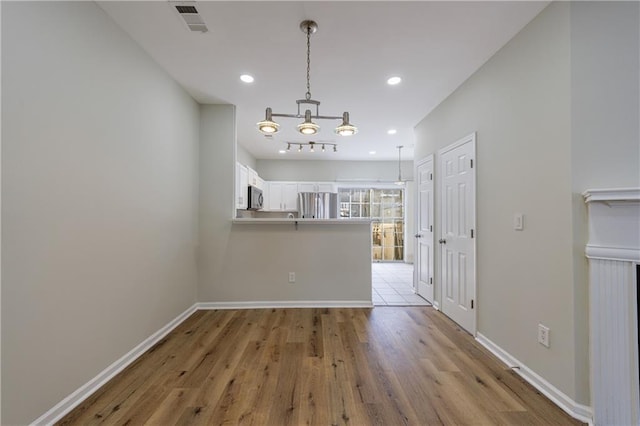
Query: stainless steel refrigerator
column 318, row 205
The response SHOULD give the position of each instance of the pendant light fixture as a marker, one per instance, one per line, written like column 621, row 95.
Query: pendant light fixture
column 399, row 181
column 307, row 127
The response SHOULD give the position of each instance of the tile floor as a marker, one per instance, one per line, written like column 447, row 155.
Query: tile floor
column 393, row 285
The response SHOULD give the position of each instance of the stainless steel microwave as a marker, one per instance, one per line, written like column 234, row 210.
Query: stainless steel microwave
column 255, row 199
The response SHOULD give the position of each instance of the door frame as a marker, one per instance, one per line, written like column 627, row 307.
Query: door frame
column 470, row 138
column 416, row 222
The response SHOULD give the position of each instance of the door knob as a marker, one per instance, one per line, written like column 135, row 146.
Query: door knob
column 418, row 236
column 442, row 241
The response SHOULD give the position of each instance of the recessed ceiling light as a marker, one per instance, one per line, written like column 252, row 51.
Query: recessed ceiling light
column 392, row 131
column 246, row 78
column 372, row 152
column 282, row 151
column 392, row 81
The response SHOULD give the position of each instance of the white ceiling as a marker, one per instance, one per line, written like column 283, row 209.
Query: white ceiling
column 433, row 46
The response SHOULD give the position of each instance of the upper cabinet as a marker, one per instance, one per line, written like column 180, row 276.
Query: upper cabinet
column 317, row 187
column 242, row 184
column 278, row 196
column 246, row 176
column 254, row 179
column 282, row 196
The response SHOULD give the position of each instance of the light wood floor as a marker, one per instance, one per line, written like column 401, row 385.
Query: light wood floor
column 382, row 366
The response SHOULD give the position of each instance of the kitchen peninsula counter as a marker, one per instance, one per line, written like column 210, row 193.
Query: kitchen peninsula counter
column 284, row 221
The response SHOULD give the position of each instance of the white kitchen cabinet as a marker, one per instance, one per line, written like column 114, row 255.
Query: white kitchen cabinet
column 290, row 196
column 317, row 187
column 327, row 187
column 242, row 183
column 260, row 184
column 306, row 187
column 282, row 196
column 253, row 177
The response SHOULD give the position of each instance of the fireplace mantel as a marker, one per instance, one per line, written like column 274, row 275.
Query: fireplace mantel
column 613, row 250
column 612, row 195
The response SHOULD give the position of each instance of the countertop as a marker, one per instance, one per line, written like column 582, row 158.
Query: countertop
column 251, row 220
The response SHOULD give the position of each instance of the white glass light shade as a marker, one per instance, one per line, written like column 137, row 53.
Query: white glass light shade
column 268, row 126
column 346, row 129
column 308, row 127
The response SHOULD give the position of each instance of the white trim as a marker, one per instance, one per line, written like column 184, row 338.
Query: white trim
column 613, row 194
column 70, row 402
column 612, row 253
column 421, row 162
column 469, row 138
column 575, row 410
column 287, row 304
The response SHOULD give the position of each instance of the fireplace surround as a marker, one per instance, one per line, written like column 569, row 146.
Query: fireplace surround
column 613, row 251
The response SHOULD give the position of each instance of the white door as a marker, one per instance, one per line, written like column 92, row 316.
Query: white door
column 457, row 244
column 423, row 276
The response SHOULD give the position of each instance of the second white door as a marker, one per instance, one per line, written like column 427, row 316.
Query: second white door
column 457, row 244
column 424, row 236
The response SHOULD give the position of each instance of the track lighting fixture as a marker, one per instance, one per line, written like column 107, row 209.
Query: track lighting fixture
column 312, row 146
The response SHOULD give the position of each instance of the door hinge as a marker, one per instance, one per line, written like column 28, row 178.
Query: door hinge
column 430, row 228
column 472, row 233
column 430, row 176
column 472, row 163
column 430, row 280
column 471, row 303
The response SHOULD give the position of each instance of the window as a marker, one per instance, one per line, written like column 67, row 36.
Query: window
column 386, row 208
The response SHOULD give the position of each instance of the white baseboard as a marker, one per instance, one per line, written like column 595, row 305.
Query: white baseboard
column 575, row 410
column 70, row 402
column 287, row 304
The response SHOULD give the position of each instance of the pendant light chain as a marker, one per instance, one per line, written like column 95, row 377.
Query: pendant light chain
column 308, row 94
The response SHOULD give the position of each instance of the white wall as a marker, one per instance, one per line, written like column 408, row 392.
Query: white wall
column 245, row 157
column 324, row 170
column 605, row 133
column 605, row 93
column 248, row 263
column 556, row 111
column 99, row 196
column 0, row 221
column 410, row 213
column 519, row 104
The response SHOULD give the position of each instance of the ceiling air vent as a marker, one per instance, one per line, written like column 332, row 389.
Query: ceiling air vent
column 190, row 16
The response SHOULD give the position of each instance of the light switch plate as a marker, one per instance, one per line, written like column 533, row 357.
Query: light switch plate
column 543, row 335
column 518, row 222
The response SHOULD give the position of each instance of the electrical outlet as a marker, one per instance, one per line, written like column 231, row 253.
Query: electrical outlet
column 543, row 335
column 292, row 277
column 518, row 222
